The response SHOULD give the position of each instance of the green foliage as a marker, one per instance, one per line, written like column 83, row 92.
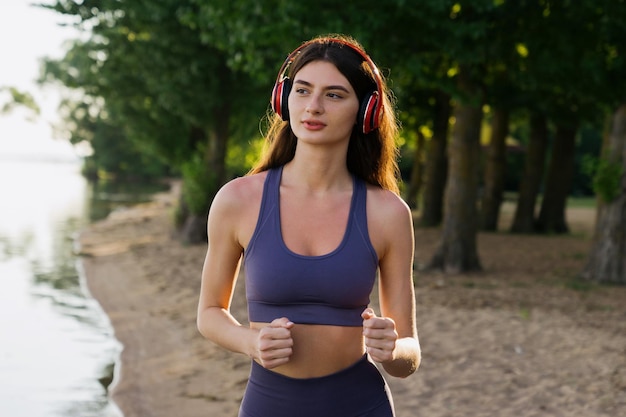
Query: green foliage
column 242, row 156
column 589, row 144
column 153, row 78
column 199, row 185
column 158, row 74
column 607, row 181
column 607, row 177
column 17, row 99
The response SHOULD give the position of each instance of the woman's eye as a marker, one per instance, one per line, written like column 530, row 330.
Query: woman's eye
column 301, row 90
column 334, row 95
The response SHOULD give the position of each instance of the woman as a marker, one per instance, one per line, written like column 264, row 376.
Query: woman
column 313, row 222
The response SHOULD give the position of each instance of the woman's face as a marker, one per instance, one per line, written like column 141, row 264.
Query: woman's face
column 323, row 106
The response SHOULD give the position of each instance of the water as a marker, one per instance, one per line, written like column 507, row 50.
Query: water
column 57, row 348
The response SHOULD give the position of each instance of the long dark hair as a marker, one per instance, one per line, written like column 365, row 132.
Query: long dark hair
column 371, row 156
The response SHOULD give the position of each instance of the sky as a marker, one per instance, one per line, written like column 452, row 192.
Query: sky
column 28, row 34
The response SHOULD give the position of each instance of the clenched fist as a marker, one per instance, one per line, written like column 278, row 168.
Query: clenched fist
column 274, row 343
column 380, row 336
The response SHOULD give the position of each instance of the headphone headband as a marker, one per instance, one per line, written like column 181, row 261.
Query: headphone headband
column 371, row 108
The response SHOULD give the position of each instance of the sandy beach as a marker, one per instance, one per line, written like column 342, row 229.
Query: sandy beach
column 524, row 338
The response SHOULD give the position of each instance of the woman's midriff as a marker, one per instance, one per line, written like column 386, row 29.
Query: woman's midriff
column 320, row 350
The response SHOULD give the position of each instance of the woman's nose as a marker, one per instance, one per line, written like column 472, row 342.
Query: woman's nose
column 314, row 104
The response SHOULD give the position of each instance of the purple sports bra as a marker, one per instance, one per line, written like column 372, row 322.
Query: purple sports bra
column 331, row 289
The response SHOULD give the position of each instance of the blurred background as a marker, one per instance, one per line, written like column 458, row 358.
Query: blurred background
column 103, row 102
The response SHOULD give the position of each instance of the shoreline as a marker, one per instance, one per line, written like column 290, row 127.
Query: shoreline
column 512, row 341
column 151, row 306
column 107, row 379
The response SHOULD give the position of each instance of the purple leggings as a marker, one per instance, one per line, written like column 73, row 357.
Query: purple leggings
column 357, row 391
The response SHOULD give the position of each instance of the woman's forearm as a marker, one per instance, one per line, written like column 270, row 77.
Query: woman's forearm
column 407, row 358
column 219, row 326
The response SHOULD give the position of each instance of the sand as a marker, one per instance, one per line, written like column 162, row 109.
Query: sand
column 525, row 337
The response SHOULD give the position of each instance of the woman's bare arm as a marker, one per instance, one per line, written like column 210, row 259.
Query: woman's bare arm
column 230, row 223
column 395, row 330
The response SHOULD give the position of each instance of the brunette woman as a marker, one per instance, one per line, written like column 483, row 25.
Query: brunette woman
column 316, row 223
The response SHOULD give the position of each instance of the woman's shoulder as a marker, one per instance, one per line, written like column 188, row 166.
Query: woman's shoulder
column 386, row 203
column 389, row 220
column 240, row 192
column 243, row 186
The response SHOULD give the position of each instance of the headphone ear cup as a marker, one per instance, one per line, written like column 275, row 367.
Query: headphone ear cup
column 369, row 113
column 284, row 105
column 276, row 95
column 280, row 97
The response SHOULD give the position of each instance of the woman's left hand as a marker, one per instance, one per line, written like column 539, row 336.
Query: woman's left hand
column 380, row 336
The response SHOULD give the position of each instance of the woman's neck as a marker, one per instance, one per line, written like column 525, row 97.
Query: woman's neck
column 318, row 172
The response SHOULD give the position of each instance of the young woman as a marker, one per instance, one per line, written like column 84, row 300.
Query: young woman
column 314, row 222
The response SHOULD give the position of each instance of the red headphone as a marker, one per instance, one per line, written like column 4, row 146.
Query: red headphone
column 370, row 109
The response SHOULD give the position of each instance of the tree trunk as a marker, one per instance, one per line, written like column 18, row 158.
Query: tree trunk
column 607, row 258
column 194, row 231
column 436, row 169
column 558, row 183
column 217, row 146
column 194, row 228
column 457, row 251
column 524, row 221
column 417, row 173
column 495, row 170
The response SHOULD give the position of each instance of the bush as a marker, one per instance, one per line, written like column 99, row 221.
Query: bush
column 607, row 177
column 199, row 185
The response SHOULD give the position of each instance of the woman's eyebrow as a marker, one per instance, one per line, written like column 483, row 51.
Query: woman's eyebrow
column 330, row 87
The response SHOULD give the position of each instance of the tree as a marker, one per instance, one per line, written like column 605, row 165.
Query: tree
column 417, row 172
column 185, row 80
column 436, row 170
column 495, row 167
column 469, row 39
column 562, row 44
column 112, row 154
column 457, row 250
column 524, row 219
column 607, row 258
column 559, row 179
column 170, row 92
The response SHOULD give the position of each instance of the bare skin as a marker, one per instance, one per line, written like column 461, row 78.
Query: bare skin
column 315, row 186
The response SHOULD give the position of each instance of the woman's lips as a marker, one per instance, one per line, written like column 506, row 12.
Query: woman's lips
column 313, row 124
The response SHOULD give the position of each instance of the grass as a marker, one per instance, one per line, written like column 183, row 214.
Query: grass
column 581, row 202
column 572, row 202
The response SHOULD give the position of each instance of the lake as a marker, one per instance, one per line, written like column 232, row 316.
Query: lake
column 57, row 350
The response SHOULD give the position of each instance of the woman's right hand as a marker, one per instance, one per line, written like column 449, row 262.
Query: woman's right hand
column 274, row 343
